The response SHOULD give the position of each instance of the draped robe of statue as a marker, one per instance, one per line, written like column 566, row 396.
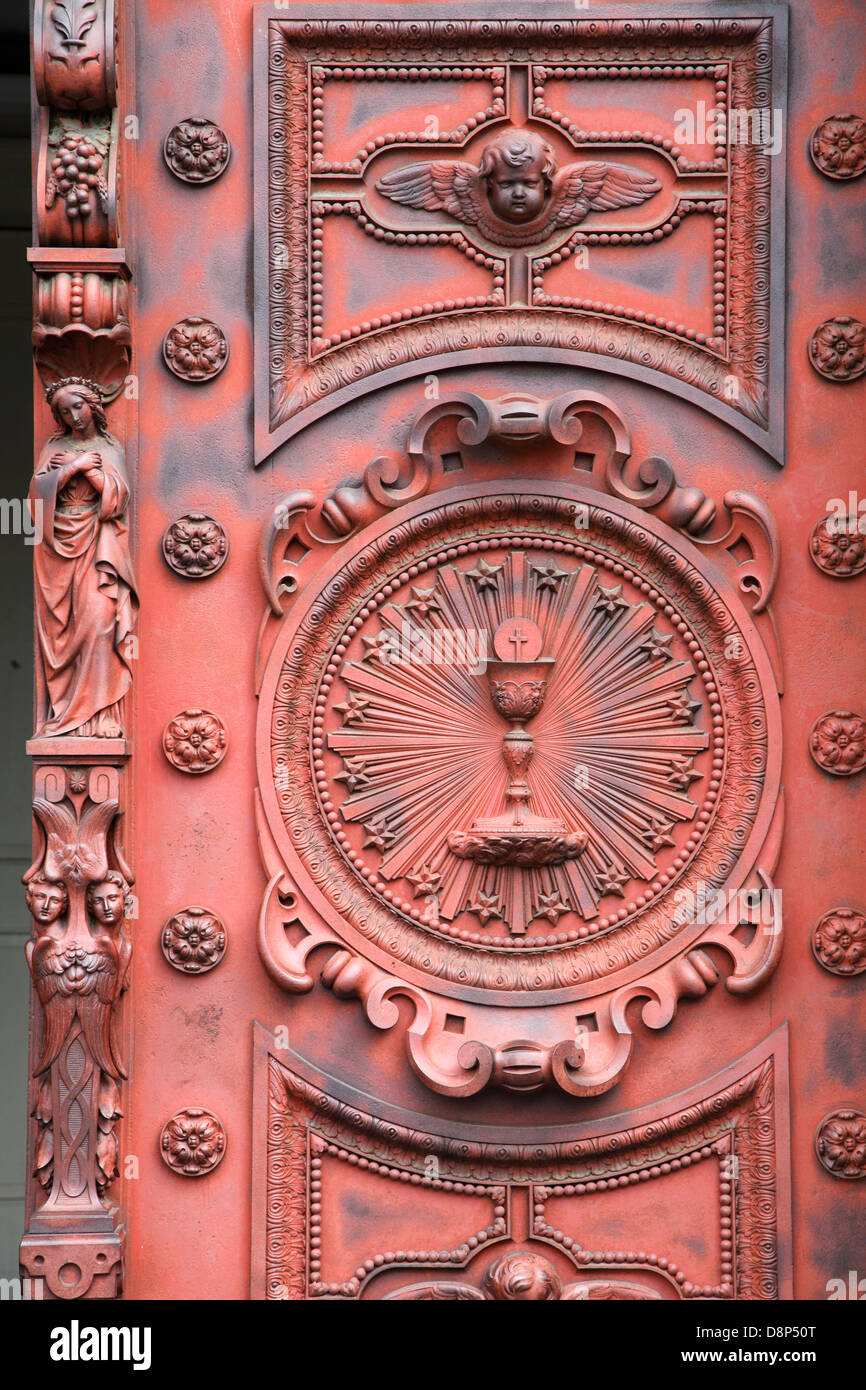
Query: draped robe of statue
column 86, row 598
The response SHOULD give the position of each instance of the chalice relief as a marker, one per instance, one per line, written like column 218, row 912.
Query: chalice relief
column 86, row 598
column 527, row 792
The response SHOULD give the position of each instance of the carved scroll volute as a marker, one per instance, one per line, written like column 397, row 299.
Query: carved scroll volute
column 73, row 54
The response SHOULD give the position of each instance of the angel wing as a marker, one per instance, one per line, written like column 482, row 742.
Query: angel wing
column 598, row 187
column 439, row 186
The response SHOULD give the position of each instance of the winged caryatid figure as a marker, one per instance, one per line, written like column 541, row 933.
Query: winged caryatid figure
column 516, row 195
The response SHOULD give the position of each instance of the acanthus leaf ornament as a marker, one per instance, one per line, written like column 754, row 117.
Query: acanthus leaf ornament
column 437, row 851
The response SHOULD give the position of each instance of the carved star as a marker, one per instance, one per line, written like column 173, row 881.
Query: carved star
column 611, row 879
column 485, row 906
column 658, row 646
column 353, row 709
column 485, row 575
column 378, row 834
column 551, row 906
column 610, row 601
column 354, row 774
column 425, row 881
column 682, row 708
column 377, row 645
column 683, row 773
column 424, row 601
column 548, row 576
column 658, row 833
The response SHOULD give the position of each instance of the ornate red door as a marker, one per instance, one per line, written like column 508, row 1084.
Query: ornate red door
column 497, row 929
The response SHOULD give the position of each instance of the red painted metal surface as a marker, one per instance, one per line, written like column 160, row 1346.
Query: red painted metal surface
column 498, row 928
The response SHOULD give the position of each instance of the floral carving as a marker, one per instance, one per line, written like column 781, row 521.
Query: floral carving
column 838, row 549
column 838, row 147
column 839, row 941
column 196, row 150
column 837, row 348
column 838, row 743
column 194, row 940
column 195, row 741
column 195, row 349
column 195, row 546
column 192, row 1142
column 77, row 175
column 841, row 1143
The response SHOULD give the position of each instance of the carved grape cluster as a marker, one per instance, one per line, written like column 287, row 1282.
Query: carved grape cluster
column 76, row 176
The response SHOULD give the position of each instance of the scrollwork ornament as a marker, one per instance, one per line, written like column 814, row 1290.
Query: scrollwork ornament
column 195, row 741
column 194, row 940
column 837, row 743
column 195, row 546
column 840, row 1143
column 838, row 147
column 195, row 349
column 196, row 150
column 192, row 1142
column 839, row 941
column 837, row 348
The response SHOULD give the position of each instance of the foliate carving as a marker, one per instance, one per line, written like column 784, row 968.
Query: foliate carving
column 195, row 741
column 516, row 195
column 837, row 348
column 77, row 892
column 195, row 546
column 837, row 743
column 195, row 349
column 839, row 941
column 73, row 52
column 192, row 1142
column 86, row 597
column 837, row 548
column 76, row 205
column 838, row 147
column 840, row 1143
column 194, row 940
column 509, row 1182
column 196, row 150
column 437, row 850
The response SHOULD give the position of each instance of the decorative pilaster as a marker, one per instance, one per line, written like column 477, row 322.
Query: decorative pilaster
column 86, row 604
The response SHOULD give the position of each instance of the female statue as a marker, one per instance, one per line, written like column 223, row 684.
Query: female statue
column 86, row 600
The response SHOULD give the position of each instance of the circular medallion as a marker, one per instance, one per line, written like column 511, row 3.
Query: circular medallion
column 839, row 941
column 194, row 940
column 838, row 548
column 195, row 741
column 840, row 1143
column 195, row 349
column 837, row 743
column 192, row 1142
column 838, row 147
column 196, row 150
column 519, row 755
column 837, row 349
column 195, row 546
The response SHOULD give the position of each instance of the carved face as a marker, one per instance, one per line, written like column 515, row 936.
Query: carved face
column 74, row 409
column 105, row 901
column 46, row 900
column 518, row 192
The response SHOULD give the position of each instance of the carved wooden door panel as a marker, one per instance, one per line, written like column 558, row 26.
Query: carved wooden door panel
column 481, row 495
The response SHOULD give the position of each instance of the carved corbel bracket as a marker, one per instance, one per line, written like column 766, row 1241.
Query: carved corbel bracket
column 80, row 317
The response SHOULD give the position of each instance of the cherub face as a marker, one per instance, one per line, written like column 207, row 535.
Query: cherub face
column 105, row 901
column 519, row 194
column 47, row 901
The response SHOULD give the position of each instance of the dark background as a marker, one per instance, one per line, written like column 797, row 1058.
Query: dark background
column 16, row 620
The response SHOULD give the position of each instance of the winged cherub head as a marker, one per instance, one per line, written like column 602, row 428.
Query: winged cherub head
column 516, row 171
